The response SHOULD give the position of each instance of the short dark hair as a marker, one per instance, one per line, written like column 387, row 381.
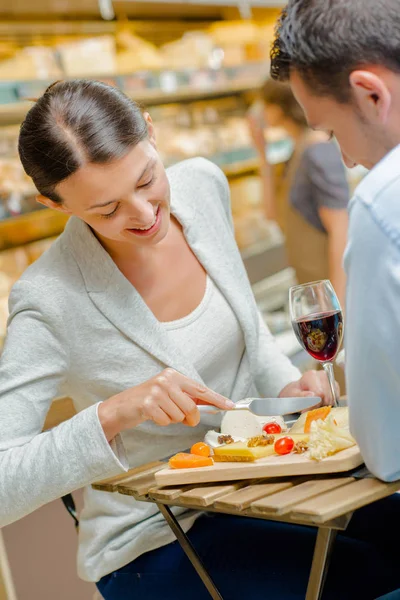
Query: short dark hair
column 325, row 40
column 73, row 123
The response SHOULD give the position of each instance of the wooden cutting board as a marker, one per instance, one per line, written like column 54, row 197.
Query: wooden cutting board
column 271, row 466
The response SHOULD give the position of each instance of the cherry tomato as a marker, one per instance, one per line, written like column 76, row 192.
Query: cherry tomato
column 284, row 445
column 201, row 449
column 271, row 428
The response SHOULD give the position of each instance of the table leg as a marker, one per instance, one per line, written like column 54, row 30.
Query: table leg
column 190, row 552
column 319, row 568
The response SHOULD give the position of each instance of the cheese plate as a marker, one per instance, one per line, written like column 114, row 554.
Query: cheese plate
column 270, row 466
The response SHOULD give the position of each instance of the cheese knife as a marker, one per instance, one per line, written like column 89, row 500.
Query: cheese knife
column 266, row 407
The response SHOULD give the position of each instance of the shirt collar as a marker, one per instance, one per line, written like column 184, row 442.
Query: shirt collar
column 384, row 172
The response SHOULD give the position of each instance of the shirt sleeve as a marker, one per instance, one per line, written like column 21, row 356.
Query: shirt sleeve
column 373, row 343
column 36, row 467
column 327, row 175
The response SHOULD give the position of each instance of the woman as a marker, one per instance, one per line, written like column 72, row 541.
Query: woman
column 311, row 205
column 123, row 314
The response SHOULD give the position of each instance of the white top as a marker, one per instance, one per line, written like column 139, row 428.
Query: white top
column 373, row 317
column 219, row 363
column 78, row 328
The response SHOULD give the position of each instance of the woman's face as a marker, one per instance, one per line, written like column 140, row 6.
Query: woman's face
column 127, row 200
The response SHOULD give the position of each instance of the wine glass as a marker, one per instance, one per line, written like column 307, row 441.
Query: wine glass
column 317, row 321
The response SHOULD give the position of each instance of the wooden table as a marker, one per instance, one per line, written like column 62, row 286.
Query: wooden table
column 325, row 502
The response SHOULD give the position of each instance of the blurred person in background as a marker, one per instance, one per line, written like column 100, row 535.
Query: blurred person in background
column 310, row 202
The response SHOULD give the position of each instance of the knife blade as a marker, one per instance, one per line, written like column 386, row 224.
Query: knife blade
column 267, row 407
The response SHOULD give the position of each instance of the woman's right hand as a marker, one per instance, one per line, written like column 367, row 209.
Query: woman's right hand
column 167, row 398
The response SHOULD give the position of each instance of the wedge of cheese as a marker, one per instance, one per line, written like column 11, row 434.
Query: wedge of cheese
column 240, row 452
column 339, row 414
column 316, row 415
column 327, row 438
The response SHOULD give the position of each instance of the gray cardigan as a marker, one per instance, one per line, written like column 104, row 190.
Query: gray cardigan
column 78, row 328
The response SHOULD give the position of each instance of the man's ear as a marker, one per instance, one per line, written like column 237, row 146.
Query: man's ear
column 51, row 204
column 372, row 95
column 150, row 129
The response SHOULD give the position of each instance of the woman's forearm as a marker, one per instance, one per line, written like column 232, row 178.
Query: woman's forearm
column 52, row 464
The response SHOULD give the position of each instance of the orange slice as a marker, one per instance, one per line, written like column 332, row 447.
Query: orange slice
column 200, row 449
column 182, row 460
column 314, row 415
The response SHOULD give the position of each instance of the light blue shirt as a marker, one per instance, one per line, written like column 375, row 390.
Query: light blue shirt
column 372, row 262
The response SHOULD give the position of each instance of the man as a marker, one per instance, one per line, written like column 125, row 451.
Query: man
column 342, row 58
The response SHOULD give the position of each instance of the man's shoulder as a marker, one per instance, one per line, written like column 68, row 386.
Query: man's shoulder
column 378, row 192
column 379, row 206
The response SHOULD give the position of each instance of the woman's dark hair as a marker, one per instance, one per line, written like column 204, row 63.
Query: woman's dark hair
column 274, row 92
column 325, row 40
column 73, row 123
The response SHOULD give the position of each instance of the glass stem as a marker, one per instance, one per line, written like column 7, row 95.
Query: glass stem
column 328, row 368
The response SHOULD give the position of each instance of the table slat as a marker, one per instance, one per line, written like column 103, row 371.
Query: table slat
column 283, row 501
column 111, row 484
column 139, row 486
column 167, row 494
column 241, row 499
column 206, row 495
column 343, row 500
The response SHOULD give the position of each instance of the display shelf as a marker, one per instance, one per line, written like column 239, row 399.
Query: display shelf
column 13, row 113
column 30, row 227
column 264, row 259
column 145, row 87
column 197, row 8
column 230, row 3
column 271, row 291
column 242, row 167
column 190, row 93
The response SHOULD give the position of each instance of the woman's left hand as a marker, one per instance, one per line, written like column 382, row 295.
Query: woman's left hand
column 311, row 383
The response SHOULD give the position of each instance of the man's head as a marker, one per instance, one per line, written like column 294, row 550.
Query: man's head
column 342, row 58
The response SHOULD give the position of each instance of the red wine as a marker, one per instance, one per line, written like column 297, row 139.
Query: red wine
column 320, row 334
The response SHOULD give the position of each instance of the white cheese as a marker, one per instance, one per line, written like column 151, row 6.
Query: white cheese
column 244, row 424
